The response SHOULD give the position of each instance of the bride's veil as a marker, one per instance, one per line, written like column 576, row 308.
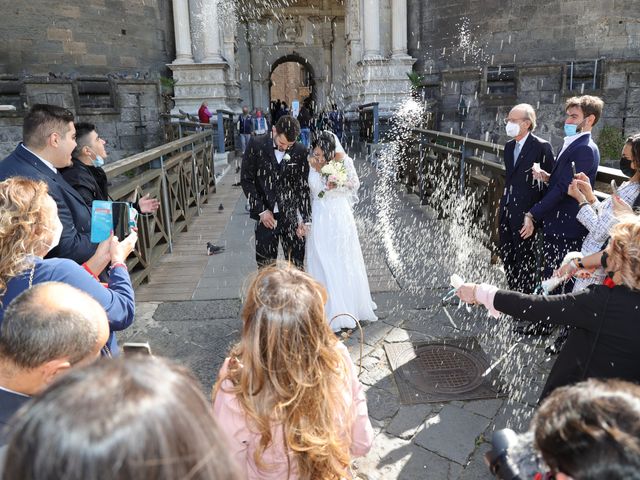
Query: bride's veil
column 353, row 196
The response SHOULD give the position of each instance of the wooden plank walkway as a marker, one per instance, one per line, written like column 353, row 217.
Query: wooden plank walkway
column 177, row 274
column 189, row 274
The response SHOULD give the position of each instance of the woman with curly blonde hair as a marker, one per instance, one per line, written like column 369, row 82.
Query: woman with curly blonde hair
column 605, row 338
column 30, row 228
column 288, row 396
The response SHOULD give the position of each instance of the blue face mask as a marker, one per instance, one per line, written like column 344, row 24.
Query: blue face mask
column 570, row 129
column 98, row 161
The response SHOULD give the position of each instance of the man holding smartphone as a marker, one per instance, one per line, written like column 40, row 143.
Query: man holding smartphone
column 557, row 210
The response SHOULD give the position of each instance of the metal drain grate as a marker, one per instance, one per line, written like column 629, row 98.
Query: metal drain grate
column 449, row 369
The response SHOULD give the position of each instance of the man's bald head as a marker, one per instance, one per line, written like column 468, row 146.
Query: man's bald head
column 51, row 321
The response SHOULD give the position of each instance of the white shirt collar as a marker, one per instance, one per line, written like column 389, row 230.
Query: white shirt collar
column 569, row 140
column 14, row 392
column 523, row 139
column 48, row 164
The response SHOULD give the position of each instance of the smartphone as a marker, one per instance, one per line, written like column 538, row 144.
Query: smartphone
column 573, row 167
column 136, row 348
column 120, row 215
column 614, row 188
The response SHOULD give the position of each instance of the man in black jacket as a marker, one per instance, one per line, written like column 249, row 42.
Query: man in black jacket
column 86, row 174
column 274, row 177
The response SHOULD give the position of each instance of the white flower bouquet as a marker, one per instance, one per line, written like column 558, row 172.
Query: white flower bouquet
column 335, row 176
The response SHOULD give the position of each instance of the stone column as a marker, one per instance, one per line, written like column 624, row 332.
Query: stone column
column 399, row 28
column 211, row 33
column 182, row 31
column 371, row 29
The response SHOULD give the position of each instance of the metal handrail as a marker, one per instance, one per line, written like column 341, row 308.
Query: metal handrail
column 180, row 174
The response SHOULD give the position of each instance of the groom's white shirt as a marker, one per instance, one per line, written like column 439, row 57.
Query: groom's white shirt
column 279, row 156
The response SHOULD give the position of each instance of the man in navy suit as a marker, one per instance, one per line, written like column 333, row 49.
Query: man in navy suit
column 521, row 192
column 46, row 330
column 557, row 210
column 48, row 139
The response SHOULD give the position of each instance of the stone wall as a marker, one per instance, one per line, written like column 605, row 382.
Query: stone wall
column 480, row 58
column 58, row 54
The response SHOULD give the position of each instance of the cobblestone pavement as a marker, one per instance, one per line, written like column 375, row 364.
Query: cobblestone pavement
column 410, row 255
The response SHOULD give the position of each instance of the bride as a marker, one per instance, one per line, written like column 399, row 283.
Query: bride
column 333, row 253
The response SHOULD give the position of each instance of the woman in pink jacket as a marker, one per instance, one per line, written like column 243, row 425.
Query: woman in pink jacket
column 288, row 396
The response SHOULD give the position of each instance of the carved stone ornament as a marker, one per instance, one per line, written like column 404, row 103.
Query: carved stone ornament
column 290, row 30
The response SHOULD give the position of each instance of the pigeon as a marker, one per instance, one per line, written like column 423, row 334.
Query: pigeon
column 213, row 249
column 220, row 208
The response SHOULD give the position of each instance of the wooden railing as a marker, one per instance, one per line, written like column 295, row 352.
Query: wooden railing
column 181, row 175
column 222, row 129
column 462, row 166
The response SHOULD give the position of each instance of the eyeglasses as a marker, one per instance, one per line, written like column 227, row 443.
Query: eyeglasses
column 507, row 120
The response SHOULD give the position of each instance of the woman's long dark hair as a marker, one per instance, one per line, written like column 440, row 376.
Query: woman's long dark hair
column 140, row 419
column 326, row 142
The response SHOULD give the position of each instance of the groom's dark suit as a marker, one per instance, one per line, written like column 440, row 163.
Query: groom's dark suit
column 267, row 183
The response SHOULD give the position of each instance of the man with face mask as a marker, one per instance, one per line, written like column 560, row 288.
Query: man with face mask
column 557, row 211
column 86, row 174
column 521, row 192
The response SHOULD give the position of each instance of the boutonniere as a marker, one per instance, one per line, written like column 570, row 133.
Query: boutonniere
column 286, row 157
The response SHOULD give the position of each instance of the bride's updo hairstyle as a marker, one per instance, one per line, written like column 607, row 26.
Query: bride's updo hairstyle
column 326, row 142
column 287, row 372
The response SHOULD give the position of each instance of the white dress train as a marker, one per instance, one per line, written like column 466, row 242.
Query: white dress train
column 333, row 253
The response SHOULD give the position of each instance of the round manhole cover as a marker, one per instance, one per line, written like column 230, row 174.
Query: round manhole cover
column 441, row 369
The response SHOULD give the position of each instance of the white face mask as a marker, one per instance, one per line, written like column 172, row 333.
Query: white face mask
column 55, row 240
column 513, row 129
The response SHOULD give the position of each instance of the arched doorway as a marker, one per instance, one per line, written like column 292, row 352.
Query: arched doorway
column 291, row 79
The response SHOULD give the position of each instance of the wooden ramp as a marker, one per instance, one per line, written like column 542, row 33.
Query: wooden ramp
column 177, row 274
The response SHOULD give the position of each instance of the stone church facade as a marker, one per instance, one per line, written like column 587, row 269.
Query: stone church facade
column 355, row 51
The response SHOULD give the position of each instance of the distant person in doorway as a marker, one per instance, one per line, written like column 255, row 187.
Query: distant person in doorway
column 260, row 124
column 245, row 128
column 304, row 117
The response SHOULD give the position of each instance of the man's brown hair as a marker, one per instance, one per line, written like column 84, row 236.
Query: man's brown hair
column 289, row 126
column 589, row 104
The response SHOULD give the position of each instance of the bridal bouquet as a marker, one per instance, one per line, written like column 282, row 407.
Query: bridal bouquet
column 335, row 176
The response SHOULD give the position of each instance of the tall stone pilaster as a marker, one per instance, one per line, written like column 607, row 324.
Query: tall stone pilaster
column 182, row 30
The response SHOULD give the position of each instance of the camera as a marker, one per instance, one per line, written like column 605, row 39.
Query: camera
column 512, row 457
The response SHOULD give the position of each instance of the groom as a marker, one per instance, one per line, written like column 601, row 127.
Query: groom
column 274, row 178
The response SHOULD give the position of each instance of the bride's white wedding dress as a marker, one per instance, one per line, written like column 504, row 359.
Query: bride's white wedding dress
column 333, row 253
